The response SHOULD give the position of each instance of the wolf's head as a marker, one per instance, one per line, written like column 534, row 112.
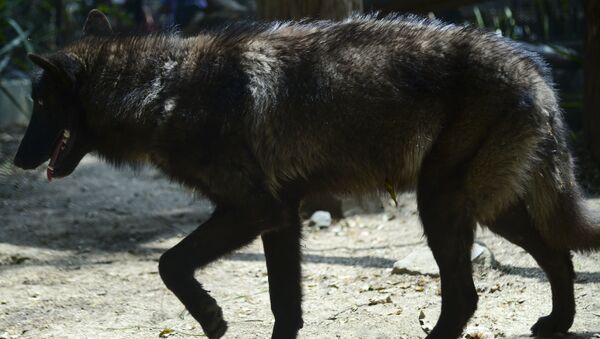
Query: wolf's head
column 56, row 129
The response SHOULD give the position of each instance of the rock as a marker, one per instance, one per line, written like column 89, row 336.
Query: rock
column 365, row 288
column 322, row 202
column 341, row 207
column 320, row 219
column 482, row 256
column 380, row 300
column 421, row 261
column 478, row 332
column 14, row 259
column 387, row 216
column 495, row 288
column 425, row 325
column 418, row 262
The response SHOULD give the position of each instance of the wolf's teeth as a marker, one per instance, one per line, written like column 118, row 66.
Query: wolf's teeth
column 66, row 134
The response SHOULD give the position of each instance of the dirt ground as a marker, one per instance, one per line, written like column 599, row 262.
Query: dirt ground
column 78, row 259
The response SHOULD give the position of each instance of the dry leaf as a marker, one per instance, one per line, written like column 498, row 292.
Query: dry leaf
column 166, row 333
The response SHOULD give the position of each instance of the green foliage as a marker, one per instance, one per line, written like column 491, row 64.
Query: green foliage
column 13, row 40
column 116, row 13
column 567, row 53
column 28, row 26
column 19, row 20
column 532, row 21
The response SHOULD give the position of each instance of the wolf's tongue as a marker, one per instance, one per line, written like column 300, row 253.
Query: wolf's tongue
column 59, row 147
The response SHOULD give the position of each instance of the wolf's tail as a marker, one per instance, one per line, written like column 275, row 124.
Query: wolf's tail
column 565, row 221
column 555, row 202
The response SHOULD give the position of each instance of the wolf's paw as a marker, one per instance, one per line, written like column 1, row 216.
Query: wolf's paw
column 548, row 326
column 286, row 330
column 212, row 321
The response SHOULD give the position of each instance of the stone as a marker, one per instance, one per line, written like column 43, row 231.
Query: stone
column 482, row 256
column 322, row 202
column 341, row 207
column 386, row 299
column 320, row 219
column 421, row 262
column 478, row 332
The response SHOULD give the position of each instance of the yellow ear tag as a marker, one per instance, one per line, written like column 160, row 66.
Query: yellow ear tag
column 391, row 191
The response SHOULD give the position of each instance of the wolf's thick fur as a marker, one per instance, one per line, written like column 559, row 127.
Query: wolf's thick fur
column 256, row 117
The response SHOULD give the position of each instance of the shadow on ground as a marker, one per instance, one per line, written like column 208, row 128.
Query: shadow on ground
column 102, row 209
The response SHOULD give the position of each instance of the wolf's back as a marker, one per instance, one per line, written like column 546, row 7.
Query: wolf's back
column 370, row 98
column 418, row 65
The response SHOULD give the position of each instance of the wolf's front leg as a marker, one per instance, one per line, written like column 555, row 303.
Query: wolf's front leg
column 224, row 232
column 282, row 252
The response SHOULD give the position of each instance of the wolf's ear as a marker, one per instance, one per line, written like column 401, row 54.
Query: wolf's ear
column 96, row 24
column 62, row 72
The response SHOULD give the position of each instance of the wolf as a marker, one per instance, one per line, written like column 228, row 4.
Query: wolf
column 258, row 116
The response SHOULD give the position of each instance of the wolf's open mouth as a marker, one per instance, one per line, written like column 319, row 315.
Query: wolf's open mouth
column 61, row 144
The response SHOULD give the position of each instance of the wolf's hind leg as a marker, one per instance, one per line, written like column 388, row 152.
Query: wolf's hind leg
column 449, row 230
column 514, row 224
column 282, row 252
column 222, row 233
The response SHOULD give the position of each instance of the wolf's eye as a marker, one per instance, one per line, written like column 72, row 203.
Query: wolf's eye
column 40, row 102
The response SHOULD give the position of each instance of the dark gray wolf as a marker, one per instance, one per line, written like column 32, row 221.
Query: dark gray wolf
column 257, row 116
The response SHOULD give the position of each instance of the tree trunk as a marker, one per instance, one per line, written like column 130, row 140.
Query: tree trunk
column 591, row 117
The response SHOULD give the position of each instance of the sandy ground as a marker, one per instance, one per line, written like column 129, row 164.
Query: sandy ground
column 78, row 259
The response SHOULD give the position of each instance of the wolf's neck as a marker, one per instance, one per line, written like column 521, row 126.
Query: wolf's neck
column 134, row 87
column 131, row 79
column 127, row 91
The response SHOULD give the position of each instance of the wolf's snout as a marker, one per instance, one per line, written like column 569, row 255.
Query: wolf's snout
column 18, row 162
column 23, row 164
column 29, row 156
